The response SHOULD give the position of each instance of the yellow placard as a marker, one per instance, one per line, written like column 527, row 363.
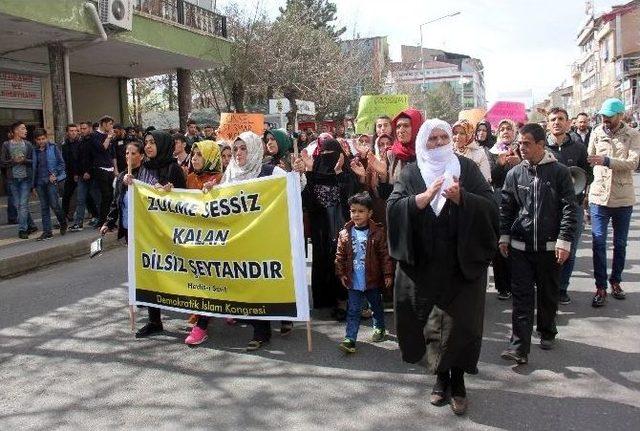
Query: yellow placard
column 231, row 125
column 374, row 106
column 235, row 251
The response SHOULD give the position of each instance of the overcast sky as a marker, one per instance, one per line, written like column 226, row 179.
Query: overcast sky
column 523, row 44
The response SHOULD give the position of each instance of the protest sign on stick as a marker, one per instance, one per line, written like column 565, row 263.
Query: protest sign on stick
column 374, row 106
column 232, row 124
column 236, row 251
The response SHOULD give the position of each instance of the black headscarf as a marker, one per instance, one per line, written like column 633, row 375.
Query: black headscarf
column 164, row 156
column 324, row 163
column 490, row 140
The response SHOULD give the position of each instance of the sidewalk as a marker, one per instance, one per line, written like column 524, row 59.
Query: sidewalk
column 19, row 256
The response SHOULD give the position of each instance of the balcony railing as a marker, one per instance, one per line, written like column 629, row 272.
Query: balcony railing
column 185, row 13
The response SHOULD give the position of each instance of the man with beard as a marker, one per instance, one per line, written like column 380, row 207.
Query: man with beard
column 613, row 152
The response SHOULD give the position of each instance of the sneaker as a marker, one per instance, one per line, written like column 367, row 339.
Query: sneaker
column 600, row 298
column 32, row 229
column 149, row 329
column 76, row 228
column 503, row 296
column 63, row 228
column 564, row 299
column 617, row 292
column 379, row 335
column 45, row 236
column 347, row 346
column 23, row 235
column 366, row 313
column 93, row 222
column 255, row 345
column 197, row 336
column 514, row 355
column 547, row 343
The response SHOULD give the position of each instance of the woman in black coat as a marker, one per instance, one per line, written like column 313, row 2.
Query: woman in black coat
column 442, row 224
column 161, row 169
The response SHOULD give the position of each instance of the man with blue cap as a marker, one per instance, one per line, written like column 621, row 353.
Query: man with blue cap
column 613, row 151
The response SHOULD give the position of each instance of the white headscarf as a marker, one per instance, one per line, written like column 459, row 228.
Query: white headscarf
column 440, row 161
column 252, row 168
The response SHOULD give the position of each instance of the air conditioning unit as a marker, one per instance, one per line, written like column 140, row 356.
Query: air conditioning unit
column 116, row 14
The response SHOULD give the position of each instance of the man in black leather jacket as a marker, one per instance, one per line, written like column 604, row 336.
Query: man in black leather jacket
column 537, row 227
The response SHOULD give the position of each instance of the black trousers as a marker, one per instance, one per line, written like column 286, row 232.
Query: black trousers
column 67, row 196
column 535, row 277
column 154, row 315
column 261, row 330
column 104, row 182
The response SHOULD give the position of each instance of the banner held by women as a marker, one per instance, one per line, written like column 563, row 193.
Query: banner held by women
column 235, row 251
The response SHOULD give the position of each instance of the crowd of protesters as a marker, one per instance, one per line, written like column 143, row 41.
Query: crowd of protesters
column 414, row 213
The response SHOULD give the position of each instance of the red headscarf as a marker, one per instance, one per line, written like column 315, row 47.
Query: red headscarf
column 407, row 152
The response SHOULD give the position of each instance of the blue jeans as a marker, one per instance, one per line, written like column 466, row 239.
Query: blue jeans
column 20, row 189
column 84, row 188
column 356, row 297
column 567, row 268
column 48, row 195
column 620, row 220
column 12, row 211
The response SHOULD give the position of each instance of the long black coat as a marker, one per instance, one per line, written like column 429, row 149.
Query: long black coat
column 442, row 261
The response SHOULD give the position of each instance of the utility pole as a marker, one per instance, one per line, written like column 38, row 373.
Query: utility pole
column 421, row 47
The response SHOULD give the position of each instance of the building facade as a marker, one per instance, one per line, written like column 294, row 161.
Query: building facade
column 416, row 74
column 609, row 64
column 59, row 62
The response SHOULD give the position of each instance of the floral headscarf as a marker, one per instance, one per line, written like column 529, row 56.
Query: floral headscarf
column 210, row 151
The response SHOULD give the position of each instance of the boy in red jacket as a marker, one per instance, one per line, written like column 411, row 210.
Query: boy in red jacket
column 364, row 267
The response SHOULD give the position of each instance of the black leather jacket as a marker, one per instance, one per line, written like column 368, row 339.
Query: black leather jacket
column 538, row 208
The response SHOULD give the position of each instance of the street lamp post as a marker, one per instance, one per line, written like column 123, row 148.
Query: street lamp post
column 421, row 48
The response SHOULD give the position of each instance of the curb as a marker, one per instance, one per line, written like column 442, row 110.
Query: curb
column 24, row 262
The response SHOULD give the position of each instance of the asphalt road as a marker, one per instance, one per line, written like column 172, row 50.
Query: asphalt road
column 69, row 361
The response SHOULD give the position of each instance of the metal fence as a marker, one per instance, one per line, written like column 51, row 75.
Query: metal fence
column 185, row 13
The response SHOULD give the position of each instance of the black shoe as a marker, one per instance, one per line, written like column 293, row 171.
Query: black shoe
column 503, row 296
column 514, row 355
column 45, row 236
column 32, row 229
column 439, row 393
column 600, row 298
column 617, row 292
column 23, row 235
column 76, row 228
column 9, row 222
column 149, row 329
column 547, row 343
column 564, row 299
column 63, row 228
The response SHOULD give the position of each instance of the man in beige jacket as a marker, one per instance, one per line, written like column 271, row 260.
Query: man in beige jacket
column 613, row 153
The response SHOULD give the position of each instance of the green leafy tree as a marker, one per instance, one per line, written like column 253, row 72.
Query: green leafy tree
column 443, row 102
column 320, row 14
